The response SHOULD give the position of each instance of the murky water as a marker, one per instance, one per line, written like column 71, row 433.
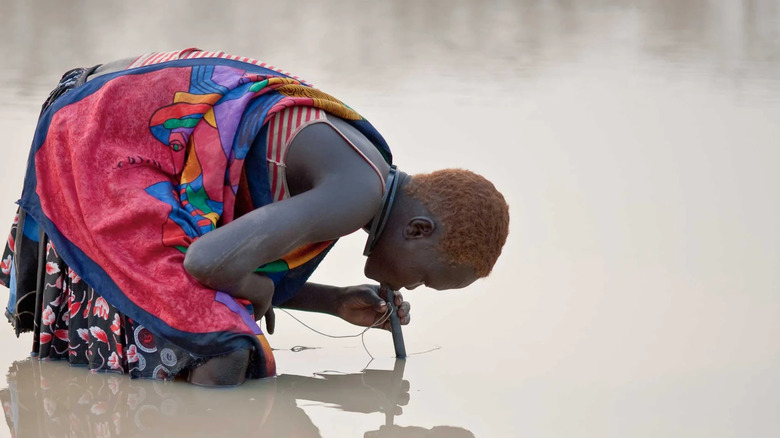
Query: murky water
column 636, row 143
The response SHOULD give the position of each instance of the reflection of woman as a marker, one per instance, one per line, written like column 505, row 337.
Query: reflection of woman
column 169, row 195
column 419, row 432
column 49, row 399
column 45, row 399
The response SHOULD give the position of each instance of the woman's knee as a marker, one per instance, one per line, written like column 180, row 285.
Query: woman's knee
column 228, row 370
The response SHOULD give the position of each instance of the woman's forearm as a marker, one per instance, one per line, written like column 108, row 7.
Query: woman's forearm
column 314, row 297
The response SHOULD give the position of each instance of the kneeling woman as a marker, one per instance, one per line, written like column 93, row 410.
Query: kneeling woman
column 172, row 199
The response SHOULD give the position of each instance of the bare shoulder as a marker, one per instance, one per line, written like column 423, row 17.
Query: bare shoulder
column 334, row 150
column 361, row 142
column 340, row 165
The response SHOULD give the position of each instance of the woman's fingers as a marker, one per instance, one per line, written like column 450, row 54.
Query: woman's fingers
column 404, row 312
column 270, row 320
column 399, row 298
column 403, row 309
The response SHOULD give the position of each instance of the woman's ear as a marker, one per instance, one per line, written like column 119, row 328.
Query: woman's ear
column 418, row 227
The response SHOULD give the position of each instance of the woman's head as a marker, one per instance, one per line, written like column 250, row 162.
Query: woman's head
column 474, row 215
column 446, row 230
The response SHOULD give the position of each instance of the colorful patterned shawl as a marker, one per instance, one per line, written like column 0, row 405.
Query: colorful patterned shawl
column 128, row 169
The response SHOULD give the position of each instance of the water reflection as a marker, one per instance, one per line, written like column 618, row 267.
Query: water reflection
column 50, row 399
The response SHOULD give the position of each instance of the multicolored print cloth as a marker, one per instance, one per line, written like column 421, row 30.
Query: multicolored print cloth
column 126, row 171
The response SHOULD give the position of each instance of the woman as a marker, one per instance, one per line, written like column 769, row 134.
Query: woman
column 172, row 199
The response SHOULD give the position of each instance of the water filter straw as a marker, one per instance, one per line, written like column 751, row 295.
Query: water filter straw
column 395, row 324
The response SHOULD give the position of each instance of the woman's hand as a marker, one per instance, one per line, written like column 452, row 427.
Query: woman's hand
column 362, row 305
column 258, row 290
column 270, row 320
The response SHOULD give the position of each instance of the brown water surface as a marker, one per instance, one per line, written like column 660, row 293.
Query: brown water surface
column 636, row 143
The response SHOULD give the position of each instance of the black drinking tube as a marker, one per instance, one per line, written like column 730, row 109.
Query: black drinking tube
column 395, row 324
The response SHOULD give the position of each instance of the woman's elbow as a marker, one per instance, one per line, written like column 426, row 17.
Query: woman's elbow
column 194, row 264
column 210, row 271
column 201, row 266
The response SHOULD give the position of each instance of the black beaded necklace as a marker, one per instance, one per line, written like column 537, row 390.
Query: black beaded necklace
column 380, row 218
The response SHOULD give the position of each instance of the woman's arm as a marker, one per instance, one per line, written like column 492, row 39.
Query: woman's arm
column 362, row 305
column 343, row 193
column 314, row 297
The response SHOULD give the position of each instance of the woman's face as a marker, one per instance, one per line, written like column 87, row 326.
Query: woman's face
column 408, row 263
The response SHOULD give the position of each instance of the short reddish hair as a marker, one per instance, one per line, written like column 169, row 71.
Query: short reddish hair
column 474, row 215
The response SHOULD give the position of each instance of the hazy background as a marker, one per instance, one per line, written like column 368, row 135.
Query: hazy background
column 636, row 143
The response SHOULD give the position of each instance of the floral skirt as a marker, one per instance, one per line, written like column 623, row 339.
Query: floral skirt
column 71, row 321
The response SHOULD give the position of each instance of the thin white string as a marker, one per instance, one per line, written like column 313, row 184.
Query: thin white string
column 382, row 319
